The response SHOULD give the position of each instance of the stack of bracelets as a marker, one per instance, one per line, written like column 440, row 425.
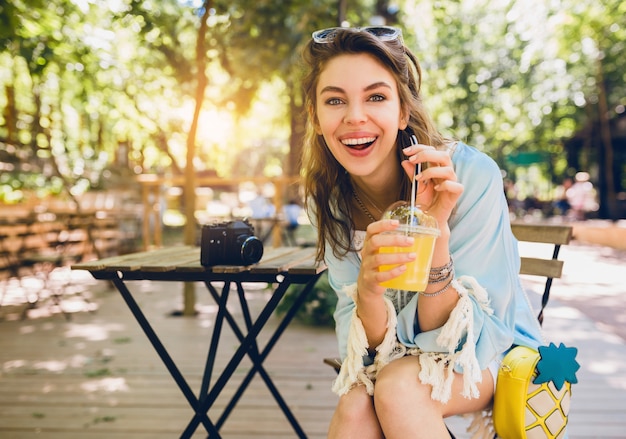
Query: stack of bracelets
column 438, row 275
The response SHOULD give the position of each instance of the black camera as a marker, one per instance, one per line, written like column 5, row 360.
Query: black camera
column 229, row 243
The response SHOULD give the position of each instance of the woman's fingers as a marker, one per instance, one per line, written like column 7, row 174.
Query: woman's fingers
column 380, row 235
column 453, row 187
column 427, row 154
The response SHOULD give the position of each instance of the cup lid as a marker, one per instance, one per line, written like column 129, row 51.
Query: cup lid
column 411, row 217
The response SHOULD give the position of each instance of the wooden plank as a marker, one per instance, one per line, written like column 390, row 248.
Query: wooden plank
column 271, row 258
column 546, row 233
column 310, row 266
column 187, row 259
column 171, row 260
column 131, row 261
column 101, row 264
column 269, row 255
column 541, row 267
column 162, row 260
column 297, row 257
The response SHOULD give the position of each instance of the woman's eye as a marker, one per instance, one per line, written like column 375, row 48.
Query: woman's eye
column 377, row 98
column 334, row 101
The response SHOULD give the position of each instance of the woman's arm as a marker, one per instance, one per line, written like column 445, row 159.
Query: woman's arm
column 485, row 258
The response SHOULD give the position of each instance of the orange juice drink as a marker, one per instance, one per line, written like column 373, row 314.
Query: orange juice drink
column 415, row 278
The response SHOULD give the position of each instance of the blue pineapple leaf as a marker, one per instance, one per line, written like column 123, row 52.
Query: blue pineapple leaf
column 557, row 364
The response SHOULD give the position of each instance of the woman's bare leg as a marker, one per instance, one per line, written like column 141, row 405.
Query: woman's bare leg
column 405, row 408
column 354, row 417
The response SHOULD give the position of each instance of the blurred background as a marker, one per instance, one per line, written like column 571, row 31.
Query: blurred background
column 173, row 109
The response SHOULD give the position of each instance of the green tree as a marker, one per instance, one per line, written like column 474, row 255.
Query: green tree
column 513, row 82
column 125, row 74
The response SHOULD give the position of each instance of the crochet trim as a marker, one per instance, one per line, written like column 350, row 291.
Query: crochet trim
column 436, row 367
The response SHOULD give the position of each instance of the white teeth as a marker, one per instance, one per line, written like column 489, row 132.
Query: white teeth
column 359, row 141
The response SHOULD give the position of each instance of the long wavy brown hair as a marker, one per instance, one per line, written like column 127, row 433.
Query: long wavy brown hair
column 327, row 186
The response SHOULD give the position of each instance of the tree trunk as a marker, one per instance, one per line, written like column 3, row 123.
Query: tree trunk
column 190, row 172
column 608, row 198
column 342, row 7
column 10, row 113
column 296, row 140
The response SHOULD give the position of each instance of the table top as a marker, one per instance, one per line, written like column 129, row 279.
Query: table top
column 183, row 263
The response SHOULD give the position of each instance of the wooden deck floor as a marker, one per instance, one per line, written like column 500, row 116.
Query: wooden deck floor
column 96, row 376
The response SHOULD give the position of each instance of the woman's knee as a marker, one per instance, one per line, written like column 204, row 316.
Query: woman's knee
column 355, row 406
column 398, row 382
column 355, row 417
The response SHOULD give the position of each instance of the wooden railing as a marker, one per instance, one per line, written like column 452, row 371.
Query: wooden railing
column 59, row 238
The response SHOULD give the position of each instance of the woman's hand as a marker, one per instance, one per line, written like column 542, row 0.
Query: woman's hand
column 438, row 193
column 439, row 189
column 370, row 276
column 370, row 304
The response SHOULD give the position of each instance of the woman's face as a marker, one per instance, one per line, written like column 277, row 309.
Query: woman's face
column 359, row 114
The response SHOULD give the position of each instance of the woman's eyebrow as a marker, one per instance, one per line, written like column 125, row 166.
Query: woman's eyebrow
column 332, row 89
column 375, row 85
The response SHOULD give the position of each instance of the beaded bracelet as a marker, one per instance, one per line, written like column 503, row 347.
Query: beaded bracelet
column 441, row 274
column 436, row 293
column 443, row 278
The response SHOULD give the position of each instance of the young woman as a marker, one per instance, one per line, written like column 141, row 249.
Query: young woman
column 410, row 359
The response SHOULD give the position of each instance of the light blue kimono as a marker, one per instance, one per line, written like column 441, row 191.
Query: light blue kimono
column 484, row 248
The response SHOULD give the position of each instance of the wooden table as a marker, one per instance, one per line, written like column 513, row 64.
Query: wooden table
column 279, row 267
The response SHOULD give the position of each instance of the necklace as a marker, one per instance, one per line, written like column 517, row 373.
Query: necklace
column 369, row 200
column 363, row 207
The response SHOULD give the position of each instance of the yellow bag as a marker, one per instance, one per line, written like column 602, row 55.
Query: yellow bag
column 533, row 392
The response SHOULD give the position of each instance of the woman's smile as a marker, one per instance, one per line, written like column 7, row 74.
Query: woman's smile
column 360, row 143
column 359, row 146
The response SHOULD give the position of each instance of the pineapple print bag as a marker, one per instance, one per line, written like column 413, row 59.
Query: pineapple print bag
column 533, row 394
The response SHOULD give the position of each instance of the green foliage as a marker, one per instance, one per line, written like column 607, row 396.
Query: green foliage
column 318, row 307
column 510, row 80
column 79, row 79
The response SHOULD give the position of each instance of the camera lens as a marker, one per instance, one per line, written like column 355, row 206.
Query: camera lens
column 251, row 250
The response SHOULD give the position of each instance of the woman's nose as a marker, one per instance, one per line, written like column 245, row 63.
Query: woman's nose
column 355, row 114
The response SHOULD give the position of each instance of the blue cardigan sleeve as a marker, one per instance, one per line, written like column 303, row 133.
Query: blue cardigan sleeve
column 483, row 248
column 341, row 274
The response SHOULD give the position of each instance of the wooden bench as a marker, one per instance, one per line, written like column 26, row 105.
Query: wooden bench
column 549, row 267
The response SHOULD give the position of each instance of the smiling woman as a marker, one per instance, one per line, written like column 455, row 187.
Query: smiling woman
column 408, row 360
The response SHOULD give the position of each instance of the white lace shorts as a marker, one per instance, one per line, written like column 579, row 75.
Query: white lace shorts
column 493, row 367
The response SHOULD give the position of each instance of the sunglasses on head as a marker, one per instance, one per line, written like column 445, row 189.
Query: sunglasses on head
column 383, row 33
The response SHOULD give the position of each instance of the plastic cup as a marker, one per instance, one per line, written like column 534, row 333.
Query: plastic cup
column 423, row 228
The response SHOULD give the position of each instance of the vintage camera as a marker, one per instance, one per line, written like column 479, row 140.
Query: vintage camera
column 229, row 243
